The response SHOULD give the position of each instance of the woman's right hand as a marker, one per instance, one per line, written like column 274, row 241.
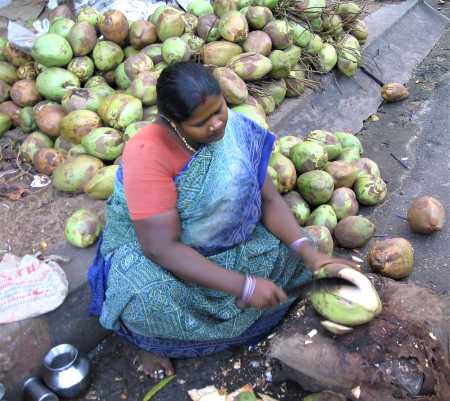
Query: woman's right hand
column 266, row 295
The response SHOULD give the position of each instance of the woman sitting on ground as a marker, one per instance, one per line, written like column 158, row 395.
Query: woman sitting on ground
column 195, row 252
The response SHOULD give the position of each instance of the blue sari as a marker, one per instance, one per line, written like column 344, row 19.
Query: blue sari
column 220, row 207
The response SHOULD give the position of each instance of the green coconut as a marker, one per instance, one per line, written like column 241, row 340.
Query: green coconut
column 5, row 90
column 287, row 176
column 328, row 140
column 95, row 81
column 277, row 90
column 159, row 68
column 5, row 122
column 153, row 18
column 311, row 9
column 143, row 87
column 327, row 57
column 349, row 55
column 142, row 33
column 76, row 150
column 233, row 88
column 250, row 66
column 350, row 154
column 219, row 53
column 308, row 156
column 324, row 215
column 348, row 11
column 322, row 237
column 359, row 30
column 101, row 185
column 244, row 4
column 88, row 14
column 258, row 17
column 3, row 42
column 344, row 203
column 298, row 206
column 82, row 228
column 315, row 45
column 302, row 35
column 136, row 64
column 130, row 51
column 347, row 304
column 27, row 123
column 200, row 8
column 120, row 110
column 365, row 166
column 233, row 27
column 208, row 28
column 316, row 24
column 82, row 67
column 154, row 51
column 370, row 190
column 103, row 90
column 286, row 144
column 222, row 7
column 194, row 42
column 344, row 173
column 295, row 85
column 83, row 38
column 267, row 102
column 316, row 187
column 54, row 81
column 354, row 232
column 133, row 129
column 253, row 113
column 79, row 123
column 258, row 42
column 8, row 72
column 280, row 64
column 293, row 53
column 104, row 143
column 61, row 26
column 32, row 144
column 170, row 25
column 274, row 177
column 281, row 33
column 52, row 50
column 107, row 55
column 190, row 22
column 121, row 77
column 175, row 50
column 271, row 4
column 72, row 175
column 349, row 140
column 332, row 25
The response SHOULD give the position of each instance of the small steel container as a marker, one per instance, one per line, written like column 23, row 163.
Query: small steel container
column 35, row 390
column 66, row 371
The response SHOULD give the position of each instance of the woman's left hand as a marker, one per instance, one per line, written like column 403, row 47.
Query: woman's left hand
column 314, row 260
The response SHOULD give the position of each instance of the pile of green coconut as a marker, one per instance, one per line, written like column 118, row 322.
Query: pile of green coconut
column 324, row 179
column 89, row 84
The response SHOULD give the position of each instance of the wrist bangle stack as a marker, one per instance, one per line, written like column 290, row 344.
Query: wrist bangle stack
column 248, row 289
column 295, row 245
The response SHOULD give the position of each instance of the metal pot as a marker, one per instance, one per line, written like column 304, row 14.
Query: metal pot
column 66, row 371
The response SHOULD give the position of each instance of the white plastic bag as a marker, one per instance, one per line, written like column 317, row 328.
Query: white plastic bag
column 30, row 287
column 22, row 37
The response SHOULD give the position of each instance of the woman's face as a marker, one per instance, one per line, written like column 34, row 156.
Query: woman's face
column 207, row 123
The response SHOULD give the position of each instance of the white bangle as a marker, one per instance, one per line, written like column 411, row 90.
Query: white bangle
column 295, row 245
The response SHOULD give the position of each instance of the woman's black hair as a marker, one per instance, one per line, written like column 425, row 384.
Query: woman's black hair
column 182, row 87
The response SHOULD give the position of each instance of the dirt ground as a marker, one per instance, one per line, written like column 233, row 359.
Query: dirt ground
column 36, row 222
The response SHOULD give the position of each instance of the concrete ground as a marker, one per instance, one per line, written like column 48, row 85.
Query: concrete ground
column 416, row 131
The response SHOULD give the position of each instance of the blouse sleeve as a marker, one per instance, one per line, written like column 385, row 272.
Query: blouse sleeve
column 148, row 179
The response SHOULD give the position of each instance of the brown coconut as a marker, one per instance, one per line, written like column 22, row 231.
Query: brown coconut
column 258, row 42
column 343, row 173
column 12, row 110
column 114, row 26
column 47, row 159
column 24, row 93
column 48, row 117
column 142, row 33
column 426, row 215
column 393, row 258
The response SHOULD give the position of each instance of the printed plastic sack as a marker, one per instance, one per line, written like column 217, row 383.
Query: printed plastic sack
column 29, row 287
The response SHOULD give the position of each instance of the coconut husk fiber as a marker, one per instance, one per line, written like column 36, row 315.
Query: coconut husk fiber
column 403, row 354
